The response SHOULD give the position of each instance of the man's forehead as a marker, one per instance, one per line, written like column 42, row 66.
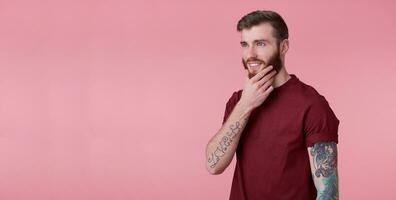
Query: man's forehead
column 258, row 32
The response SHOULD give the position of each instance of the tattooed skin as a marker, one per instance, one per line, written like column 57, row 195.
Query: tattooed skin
column 226, row 141
column 325, row 163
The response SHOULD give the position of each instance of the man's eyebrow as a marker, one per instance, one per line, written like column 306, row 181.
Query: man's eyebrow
column 254, row 41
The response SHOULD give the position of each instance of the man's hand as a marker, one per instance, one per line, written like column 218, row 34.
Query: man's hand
column 257, row 88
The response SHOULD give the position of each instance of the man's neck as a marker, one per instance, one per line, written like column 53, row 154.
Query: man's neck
column 281, row 78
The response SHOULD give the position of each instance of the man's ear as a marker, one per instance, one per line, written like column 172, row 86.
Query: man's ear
column 284, row 46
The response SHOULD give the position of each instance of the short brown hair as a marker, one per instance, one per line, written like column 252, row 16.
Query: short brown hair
column 260, row 16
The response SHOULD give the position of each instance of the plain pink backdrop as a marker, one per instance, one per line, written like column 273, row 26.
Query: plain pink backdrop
column 117, row 99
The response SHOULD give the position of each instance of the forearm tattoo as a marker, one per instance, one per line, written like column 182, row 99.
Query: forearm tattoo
column 225, row 141
column 325, row 163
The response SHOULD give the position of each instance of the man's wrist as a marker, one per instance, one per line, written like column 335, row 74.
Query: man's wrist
column 243, row 109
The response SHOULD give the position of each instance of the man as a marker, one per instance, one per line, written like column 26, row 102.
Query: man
column 283, row 131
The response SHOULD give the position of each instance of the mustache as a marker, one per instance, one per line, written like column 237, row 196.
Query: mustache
column 253, row 59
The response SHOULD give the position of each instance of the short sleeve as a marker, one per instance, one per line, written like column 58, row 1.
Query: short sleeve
column 320, row 123
column 232, row 101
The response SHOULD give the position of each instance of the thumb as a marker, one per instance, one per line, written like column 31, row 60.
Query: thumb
column 246, row 75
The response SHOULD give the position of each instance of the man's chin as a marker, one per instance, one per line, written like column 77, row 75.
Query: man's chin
column 253, row 72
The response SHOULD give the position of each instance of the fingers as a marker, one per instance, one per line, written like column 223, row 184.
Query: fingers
column 267, row 85
column 259, row 75
column 266, row 78
column 267, row 91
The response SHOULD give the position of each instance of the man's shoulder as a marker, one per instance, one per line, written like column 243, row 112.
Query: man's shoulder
column 309, row 94
column 306, row 93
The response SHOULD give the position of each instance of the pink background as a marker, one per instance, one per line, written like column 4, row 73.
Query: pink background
column 117, row 99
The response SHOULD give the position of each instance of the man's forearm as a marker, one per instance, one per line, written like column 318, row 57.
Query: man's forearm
column 329, row 189
column 221, row 148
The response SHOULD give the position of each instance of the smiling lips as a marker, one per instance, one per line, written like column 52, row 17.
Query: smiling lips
column 254, row 65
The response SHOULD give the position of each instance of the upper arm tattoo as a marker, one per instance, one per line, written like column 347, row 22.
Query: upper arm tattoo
column 324, row 157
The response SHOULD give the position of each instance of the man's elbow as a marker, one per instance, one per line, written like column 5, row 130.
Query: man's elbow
column 214, row 170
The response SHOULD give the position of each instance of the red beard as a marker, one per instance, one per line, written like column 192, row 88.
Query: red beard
column 275, row 61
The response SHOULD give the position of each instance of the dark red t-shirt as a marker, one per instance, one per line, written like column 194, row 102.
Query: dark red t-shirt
column 272, row 157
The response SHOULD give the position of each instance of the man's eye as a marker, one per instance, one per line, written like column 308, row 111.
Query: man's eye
column 260, row 43
column 243, row 45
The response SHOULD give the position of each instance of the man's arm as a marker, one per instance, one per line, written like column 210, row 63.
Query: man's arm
column 323, row 161
column 222, row 146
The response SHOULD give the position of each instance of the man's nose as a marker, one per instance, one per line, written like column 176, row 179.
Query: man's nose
column 252, row 52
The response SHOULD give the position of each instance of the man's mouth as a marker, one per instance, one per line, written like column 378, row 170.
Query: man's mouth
column 254, row 65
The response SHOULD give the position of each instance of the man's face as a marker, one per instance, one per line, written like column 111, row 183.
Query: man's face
column 260, row 49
